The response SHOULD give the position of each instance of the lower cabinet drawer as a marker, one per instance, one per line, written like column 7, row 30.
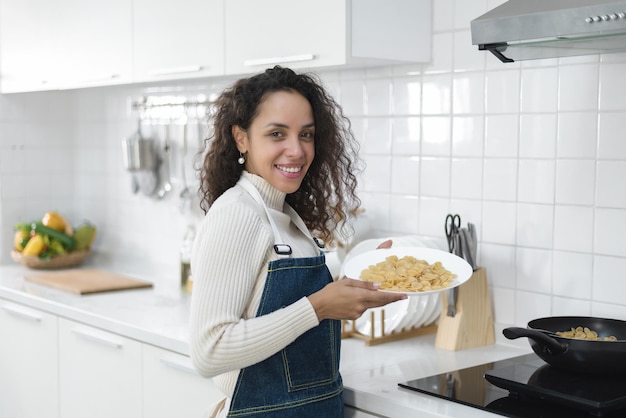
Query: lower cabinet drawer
column 99, row 373
column 172, row 388
column 350, row 412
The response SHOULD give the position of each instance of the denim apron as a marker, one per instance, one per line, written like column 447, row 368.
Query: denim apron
column 303, row 379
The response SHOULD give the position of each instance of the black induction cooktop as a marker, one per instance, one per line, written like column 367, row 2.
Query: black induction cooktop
column 527, row 387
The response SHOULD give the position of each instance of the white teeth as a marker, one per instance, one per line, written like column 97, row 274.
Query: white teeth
column 289, row 169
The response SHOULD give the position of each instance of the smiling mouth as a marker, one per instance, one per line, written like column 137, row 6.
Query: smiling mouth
column 289, row 169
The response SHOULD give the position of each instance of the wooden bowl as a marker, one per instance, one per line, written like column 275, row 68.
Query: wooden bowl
column 61, row 261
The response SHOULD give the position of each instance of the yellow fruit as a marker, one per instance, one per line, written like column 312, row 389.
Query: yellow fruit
column 54, row 220
column 20, row 236
column 34, row 246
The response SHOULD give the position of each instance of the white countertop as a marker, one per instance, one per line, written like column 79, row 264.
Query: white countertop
column 159, row 316
column 371, row 375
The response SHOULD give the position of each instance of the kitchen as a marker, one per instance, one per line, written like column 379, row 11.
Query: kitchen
column 531, row 152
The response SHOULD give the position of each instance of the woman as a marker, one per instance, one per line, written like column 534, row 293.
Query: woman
column 265, row 313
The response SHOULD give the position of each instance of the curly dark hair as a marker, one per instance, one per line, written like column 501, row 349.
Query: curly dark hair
column 327, row 195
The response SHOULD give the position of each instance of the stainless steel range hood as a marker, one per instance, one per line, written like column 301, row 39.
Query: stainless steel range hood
column 534, row 29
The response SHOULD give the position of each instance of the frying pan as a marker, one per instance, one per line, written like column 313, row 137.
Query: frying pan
column 580, row 356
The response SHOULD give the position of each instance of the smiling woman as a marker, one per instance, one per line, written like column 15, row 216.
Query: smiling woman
column 279, row 144
column 266, row 312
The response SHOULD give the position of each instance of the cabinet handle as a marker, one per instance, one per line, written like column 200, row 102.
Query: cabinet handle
column 184, row 366
column 99, row 78
column 279, row 60
column 177, row 70
column 87, row 335
column 22, row 313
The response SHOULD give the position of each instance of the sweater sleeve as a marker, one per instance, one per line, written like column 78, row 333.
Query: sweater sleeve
column 230, row 254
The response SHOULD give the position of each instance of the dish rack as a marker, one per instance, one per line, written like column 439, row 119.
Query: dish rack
column 349, row 330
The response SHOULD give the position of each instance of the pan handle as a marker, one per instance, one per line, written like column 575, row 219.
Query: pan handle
column 548, row 344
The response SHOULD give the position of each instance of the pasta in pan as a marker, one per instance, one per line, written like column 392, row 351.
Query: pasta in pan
column 408, row 274
column 585, row 333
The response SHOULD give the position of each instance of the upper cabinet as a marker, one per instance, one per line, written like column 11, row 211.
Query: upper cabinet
column 25, row 44
column 83, row 43
column 177, row 39
column 92, row 47
column 63, row 44
column 260, row 34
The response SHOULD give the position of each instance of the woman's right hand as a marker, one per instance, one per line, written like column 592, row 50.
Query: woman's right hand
column 349, row 298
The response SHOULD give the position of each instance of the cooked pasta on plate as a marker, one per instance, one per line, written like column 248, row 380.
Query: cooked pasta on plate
column 410, row 270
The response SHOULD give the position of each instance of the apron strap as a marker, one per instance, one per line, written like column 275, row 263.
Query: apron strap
column 281, row 249
column 298, row 222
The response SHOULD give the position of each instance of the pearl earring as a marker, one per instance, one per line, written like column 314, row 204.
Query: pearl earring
column 241, row 160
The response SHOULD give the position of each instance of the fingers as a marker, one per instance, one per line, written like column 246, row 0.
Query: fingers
column 384, row 298
column 360, row 283
column 385, row 244
column 375, row 298
column 349, row 298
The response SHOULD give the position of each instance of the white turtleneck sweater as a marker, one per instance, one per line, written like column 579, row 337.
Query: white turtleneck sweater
column 229, row 262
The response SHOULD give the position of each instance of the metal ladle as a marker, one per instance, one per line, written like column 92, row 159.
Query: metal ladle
column 165, row 171
column 185, row 193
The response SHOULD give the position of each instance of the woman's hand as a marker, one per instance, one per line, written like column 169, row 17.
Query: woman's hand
column 385, row 244
column 349, row 298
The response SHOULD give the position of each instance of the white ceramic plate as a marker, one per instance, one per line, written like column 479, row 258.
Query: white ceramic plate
column 408, row 316
column 415, row 312
column 454, row 264
column 436, row 311
column 398, row 241
column 427, row 308
column 394, row 312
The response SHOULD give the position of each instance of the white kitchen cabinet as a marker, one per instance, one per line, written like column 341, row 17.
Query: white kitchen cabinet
column 322, row 33
column 99, row 373
column 84, row 43
column 93, row 46
column 172, row 388
column 64, row 44
column 177, row 40
column 28, row 362
column 350, row 412
column 26, row 40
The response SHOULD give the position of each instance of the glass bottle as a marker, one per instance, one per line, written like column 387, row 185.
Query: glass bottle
column 185, row 257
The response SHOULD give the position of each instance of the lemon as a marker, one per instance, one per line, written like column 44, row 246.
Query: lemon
column 56, row 221
column 19, row 239
column 34, row 246
column 53, row 220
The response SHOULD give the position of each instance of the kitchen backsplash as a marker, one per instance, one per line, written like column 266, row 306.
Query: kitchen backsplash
column 534, row 154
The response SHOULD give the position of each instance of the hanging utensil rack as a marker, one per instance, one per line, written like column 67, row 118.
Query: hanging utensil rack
column 164, row 115
column 172, row 107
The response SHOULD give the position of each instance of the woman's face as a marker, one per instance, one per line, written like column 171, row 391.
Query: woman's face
column 280, row 142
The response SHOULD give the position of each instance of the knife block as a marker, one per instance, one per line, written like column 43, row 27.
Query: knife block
column 472, row 326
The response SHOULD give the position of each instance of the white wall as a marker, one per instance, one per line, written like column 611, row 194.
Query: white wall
column 534, row 154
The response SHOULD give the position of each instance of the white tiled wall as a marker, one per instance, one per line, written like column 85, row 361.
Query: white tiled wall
column 533, row 153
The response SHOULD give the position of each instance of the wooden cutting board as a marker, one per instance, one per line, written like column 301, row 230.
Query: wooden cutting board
column 85, row 281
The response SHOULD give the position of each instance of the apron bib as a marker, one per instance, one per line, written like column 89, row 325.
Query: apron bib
column 303, row 379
